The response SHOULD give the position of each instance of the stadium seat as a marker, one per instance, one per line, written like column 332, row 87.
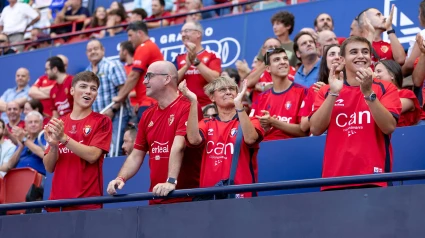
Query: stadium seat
column 16, row 185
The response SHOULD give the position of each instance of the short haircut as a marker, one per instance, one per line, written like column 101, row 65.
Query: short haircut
column 138, row 26
column 286, row 18
column 324, row 70
column 315, row 20
column 395, row 70
column 133, row 131
column 141, row 12
column 271, row 38
column 233, row 73
column 96, row 40
column 7, row 37
column 198, row 26
column 271, row 52
column 85, row 76
column 128, row 46
column 354, row 39
column 34, row 113
column 35, row 103
column 218, row 83
column 162, row 2
column 298, row 36
column 57, row 62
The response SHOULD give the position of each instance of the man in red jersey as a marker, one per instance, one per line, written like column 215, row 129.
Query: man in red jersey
column 278, row 108
column 146, row 53
column 41, row 89
column 77, row 145
column 198, row 65
column 62, row 100
column 126, row 56
column 393, row 50
column 13, row 112
column 161, row 133
column 158, row 11
column 360, row 113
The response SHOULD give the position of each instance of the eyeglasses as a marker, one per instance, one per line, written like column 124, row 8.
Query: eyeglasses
column 210, row 115
column 224, row 89
column 187, row 31
column 150, row 75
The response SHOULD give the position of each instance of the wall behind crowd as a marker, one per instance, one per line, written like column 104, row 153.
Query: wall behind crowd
column 234, row 37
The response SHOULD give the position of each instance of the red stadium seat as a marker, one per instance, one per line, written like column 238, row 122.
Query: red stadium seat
column 17, row 183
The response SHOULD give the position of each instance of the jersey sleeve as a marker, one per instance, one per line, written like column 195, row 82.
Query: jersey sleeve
column 319, row 99
column 102, row 135
column 182, row 123
column 38, row 82
column 140, row 59
column 215, row 63
column 141, row 142
column 391, row 101
column 255, row 107
column 307, row 103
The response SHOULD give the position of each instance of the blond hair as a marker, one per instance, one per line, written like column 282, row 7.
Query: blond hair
column 220, row 82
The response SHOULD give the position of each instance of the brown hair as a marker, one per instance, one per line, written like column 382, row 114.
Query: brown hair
column 354, row 39
column 286, row 18
column 85, row 76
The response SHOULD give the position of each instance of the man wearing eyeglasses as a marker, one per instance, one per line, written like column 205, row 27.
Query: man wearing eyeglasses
column 4, row 45
column 198, row 65
column 278, row 108
column 147, row 52
column 161, row 133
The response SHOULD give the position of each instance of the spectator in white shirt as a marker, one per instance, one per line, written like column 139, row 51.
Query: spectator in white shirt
column 6, row 147
column 14, row 21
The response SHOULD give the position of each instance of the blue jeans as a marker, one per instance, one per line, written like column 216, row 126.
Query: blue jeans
column 124, row 124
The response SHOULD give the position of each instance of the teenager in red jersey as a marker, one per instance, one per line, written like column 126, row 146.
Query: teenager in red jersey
column 147, row 52
column 198, row 65
column 389, row 70
column 278, row 108
column 360, row 113
column 216, row 137
column 77, row 145
column 161, row 134
column 333, row 58
column 260, row 79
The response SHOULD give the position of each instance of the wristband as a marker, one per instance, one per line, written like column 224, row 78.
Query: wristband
column 67, row 140
column 240, row 110
column 121, row 178
column 334, row 94
column 391, row 31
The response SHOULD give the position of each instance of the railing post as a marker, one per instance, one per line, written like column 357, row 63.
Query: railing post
column 117, row 146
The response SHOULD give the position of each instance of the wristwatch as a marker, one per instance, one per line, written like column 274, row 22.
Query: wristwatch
column 371, row 97
column 390, row 31
column 172, row 180
column 196, row 62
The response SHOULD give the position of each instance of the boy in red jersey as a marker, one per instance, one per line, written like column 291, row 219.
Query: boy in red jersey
column 198, row 65
column 77, row 145
column 161, row 133
column 217, row 137
column 147, row 52
column 278, row 108
column 360, row 113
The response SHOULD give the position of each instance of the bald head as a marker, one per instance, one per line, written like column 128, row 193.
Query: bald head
column 326, row 37
column 22, row 77
column 64, row 60
column 166, row 67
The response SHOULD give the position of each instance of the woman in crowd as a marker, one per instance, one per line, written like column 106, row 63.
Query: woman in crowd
column 210, row 111
column 389, row 70
column 98, row 20
column 217, row 136
column 35, row 105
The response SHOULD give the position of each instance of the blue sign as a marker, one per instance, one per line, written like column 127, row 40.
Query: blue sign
column 232, row 37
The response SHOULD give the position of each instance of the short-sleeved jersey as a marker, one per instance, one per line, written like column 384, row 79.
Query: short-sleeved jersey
column 74, row 177
column 145, row 54
column 128, row 68
column 195, row 81
column 42, row 82
column 355, row 145
column 218, row 142
column 157, row 130
column 409, row 118
column 383, row 49
column 308, row 103
column 62, row 100
column 284, row 105
column 21, row 124
column 266, row 79
column 152, row 18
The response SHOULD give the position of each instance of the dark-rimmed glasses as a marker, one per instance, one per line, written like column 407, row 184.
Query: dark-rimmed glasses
column 150, row 75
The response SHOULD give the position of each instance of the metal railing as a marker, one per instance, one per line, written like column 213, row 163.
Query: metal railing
column 259, row 187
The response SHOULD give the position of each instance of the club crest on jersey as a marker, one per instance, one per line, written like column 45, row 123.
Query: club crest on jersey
column 233, row 132
column 87, row 130
column 288, row 105
column 171, row 119
column 150, row 124
column 384, row 48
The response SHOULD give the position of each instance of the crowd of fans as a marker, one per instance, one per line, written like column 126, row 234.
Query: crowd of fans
column 355, row 89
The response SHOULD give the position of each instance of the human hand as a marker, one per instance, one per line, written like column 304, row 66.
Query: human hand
column 336, row 82
column 186, row 92
column 239, row 98
column 365, row 77
column 389, row 20
column 420, row 42
column 114, row 185
column 265, row 120
column 317, row 86
column 242, row 67
column 56, row 127
column 163, row 189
